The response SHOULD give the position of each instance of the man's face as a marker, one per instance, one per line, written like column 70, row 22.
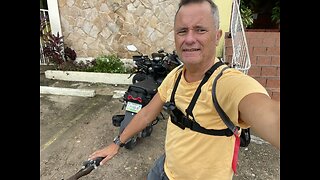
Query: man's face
column 196, row 37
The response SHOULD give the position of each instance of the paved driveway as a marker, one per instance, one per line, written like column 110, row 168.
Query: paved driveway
column 72, row 127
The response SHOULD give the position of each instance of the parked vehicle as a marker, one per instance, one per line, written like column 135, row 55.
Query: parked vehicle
column 148, row 75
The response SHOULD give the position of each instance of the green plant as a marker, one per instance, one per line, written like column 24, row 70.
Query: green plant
column 275, row 16
column 107, row 64
column 246, row 15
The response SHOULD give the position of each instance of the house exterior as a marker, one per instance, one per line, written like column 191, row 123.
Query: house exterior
column 96, row 27
column 264, row 50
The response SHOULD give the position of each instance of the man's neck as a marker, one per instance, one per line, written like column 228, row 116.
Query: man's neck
column 196, row 73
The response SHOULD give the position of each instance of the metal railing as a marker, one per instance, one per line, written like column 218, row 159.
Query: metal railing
column 44, row 20
column 240, row 56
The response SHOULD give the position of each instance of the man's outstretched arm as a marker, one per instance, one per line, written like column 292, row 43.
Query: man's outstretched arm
column 263, row 115
column 143, row 118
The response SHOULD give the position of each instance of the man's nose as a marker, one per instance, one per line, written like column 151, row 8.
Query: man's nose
column 190, row 37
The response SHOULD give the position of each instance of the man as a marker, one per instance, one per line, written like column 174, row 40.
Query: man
column 188, row 153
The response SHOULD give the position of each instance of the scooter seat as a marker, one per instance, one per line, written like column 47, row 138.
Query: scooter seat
column 148, row 86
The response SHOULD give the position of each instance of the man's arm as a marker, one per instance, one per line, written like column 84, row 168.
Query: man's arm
column 263, row 115
column 143, row 118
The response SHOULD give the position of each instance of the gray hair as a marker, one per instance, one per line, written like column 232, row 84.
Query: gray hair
column 214, row 9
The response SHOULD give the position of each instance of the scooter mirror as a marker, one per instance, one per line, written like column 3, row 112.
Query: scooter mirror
column 132, row 48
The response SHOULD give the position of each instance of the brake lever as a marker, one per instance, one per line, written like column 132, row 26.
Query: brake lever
column 95, row 163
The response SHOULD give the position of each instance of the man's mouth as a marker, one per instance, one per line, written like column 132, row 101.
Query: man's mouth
column 190, row 49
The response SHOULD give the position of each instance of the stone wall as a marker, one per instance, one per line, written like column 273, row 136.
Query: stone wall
column 94, row 27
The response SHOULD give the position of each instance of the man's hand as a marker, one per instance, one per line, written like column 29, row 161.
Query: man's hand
column 107, row 152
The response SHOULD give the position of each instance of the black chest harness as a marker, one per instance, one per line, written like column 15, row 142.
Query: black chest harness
column 183, row 121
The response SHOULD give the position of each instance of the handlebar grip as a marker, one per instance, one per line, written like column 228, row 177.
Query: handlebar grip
column 98, row 160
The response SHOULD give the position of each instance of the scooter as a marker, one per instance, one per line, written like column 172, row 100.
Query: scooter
column 148, row 76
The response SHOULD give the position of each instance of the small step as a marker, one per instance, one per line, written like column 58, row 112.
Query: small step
column 67, row 91
column 93, row 77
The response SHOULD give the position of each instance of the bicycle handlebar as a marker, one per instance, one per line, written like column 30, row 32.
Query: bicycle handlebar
column 87, row 167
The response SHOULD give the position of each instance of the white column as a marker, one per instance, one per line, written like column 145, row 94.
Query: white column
column 54, row 17
column 225, row 10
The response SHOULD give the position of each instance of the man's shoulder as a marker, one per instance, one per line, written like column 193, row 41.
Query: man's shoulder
column 234, row 79
column 174, row 72
column 232, row 72
column 178, row 68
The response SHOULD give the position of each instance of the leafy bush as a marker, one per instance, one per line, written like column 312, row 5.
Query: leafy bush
column 63, row 57
column 246, row 15
column 276, row 12
column 70, row 53
column 107, row 64
column 54, row 48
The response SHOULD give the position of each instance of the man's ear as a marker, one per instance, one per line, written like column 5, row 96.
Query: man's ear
column 218, row 36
